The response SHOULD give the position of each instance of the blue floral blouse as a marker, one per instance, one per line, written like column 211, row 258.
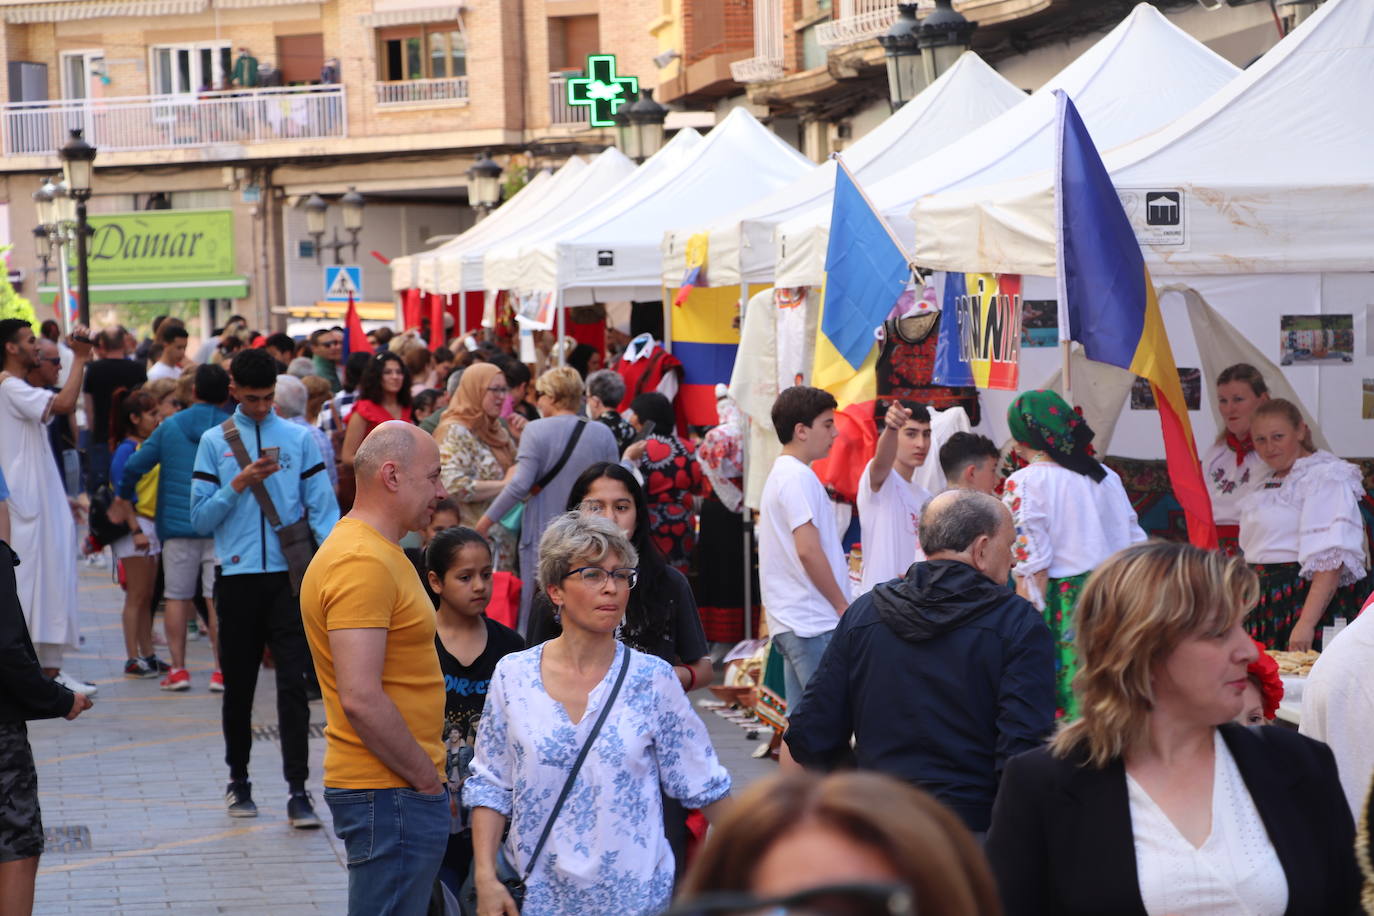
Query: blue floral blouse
column 607, row 852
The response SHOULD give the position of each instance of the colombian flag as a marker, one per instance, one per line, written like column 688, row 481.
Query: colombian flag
column 354, row 338
column 865, row 273
column 1107, row 303
column 705, row 336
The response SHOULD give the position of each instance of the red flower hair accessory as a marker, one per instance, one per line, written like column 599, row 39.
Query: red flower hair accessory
column 1266, row 671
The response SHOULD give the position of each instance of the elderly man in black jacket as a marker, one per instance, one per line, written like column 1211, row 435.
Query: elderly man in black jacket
column 25, row 693
column 940, row 676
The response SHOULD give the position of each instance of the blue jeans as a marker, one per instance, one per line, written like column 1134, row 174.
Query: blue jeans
column 395, row 841
column 801, row 656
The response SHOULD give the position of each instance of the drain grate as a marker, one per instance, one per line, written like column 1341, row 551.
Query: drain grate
column 272, row 733
column 71, row 838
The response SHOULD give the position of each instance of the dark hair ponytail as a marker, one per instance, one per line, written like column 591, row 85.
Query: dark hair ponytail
column 126, row 405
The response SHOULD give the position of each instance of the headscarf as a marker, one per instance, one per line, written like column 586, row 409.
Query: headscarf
column 1044, row 421
column 465, row 408
column 1265, row 670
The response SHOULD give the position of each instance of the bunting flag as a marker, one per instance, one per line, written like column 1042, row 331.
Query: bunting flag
column 354, row 338
column 1107, row 303
column 696, row 263
column 865, row 274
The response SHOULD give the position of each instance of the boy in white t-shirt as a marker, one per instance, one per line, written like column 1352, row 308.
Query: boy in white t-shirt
column 890, row 503
column 802, row 571
column 970, row 463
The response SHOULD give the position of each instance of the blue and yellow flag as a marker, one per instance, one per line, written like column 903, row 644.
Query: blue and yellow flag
column 865, row 273
column 1107, row 303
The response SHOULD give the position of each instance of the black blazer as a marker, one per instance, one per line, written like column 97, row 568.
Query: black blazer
column 1061, row 841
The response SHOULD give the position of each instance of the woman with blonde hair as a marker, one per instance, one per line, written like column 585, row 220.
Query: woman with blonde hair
column 477, row 453
column 553, row 451
column 1231, row 466
column 862, row 841
column 1154, row 801
column 1301, row 532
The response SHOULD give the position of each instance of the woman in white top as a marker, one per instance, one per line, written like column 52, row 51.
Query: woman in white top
column 1071, row 513
column 1232, row 467
column 1154, row 801
column 606, row 852
column 1302, row 533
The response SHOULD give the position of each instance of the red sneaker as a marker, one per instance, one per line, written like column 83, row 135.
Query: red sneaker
column 178, row 679
column 217, row 682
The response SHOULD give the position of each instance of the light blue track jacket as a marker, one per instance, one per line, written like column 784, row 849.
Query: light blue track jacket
column 244, row 542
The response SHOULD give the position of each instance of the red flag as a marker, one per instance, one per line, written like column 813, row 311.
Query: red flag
column 354, row 336
column 410, row 309
column 436, row 320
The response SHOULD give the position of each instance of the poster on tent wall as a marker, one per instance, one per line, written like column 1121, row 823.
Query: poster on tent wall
column 982, row 345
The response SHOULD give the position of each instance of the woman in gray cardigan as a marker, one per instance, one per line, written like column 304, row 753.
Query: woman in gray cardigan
column 558, row 395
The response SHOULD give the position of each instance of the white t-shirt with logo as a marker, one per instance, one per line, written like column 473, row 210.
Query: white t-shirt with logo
column 792, row 497
column 890, row 520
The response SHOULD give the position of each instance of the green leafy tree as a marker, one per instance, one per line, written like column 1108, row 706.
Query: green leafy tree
column 13, row 305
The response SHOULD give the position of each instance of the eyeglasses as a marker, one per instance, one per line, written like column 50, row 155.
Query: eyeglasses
column 595, row 576
column 54, row 360
column 828, row 900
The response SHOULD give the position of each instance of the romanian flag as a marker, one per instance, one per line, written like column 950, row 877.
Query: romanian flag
column 1107, row 303
column 865, row 274
column 696, row 263
column 354, row 338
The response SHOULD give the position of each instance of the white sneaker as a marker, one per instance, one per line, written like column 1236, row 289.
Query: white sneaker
column 76, row 686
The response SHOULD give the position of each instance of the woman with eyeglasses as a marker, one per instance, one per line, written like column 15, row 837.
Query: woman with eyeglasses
column 848, row 844
column 605, row 851
column 553, row 451
column 477, row 453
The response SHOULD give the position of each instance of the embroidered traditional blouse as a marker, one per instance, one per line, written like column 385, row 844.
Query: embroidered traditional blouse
column 607, row 852
column 1066, row 523
column 1311, row 517
column 1235, row 871
column 1228, row 482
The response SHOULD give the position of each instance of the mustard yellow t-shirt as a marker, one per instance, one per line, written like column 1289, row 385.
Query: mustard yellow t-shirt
column 360, row 579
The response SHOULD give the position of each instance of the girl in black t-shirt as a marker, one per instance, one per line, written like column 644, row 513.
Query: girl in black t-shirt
column 469, row 644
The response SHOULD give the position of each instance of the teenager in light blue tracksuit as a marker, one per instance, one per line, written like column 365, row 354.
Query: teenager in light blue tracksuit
column 256, row 604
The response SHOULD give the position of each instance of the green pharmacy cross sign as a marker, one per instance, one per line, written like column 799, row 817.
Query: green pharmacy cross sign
column 602, row 92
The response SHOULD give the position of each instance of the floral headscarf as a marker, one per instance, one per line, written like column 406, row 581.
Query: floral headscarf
column 1044, row 421
column 722, row 455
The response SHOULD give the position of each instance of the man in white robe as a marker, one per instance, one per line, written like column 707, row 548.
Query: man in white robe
column 42, row 532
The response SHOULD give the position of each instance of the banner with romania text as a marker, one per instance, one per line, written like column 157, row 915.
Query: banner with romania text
column 980, row 331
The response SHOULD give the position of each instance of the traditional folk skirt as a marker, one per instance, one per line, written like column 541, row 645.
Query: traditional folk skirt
column 1282, row 593
column 1061, row 597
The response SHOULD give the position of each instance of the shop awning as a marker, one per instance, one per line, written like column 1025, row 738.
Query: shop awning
column 235, row 287
column 367, row 311
column 98, row 9
column 412, row 14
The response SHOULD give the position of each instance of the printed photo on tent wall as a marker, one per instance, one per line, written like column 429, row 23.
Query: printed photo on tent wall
column 1306, row 339
column 1367, row 402
column 1143, row 397
column 1039, row 323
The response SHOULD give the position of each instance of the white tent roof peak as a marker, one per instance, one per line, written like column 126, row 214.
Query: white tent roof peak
column 1272, row 173
column 740, row 245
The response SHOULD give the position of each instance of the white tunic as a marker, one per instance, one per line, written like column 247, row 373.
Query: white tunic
column 43, row 534
column 1311, row 517
column 1066, row 523
column 1229, row 483
column 1235, row 872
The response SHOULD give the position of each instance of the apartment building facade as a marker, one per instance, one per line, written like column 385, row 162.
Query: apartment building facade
column 223, row 116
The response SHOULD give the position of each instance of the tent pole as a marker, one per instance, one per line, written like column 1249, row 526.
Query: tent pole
column 561, row 325
column 744, row 486
column 462, row 313
column 667, row 307
column 1068, row 381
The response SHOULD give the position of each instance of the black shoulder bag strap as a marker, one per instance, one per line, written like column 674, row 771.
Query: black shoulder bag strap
column 577, row 764
column 231, row 436
column 547, row 479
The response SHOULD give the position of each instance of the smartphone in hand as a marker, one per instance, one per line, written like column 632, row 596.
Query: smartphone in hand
column 273, row 452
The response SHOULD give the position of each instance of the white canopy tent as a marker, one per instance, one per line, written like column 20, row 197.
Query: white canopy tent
column 527, row 263
column 614, row 254
column 1139, row 77
column 1275, row 212
column 405, row 269
column 740, row 247
column 462, row 270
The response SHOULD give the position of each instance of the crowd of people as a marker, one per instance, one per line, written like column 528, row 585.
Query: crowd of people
column 505, row 580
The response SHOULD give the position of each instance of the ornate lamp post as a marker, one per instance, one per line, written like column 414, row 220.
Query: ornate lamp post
column 646, row 118
column 902, row 50
column 315, row 209
column 945, row 35
column 78, row 166
column 484, row 184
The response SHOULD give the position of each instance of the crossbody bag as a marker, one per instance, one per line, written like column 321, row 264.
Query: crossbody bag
column 297, row 539
column 506, row 873
column 512, row 519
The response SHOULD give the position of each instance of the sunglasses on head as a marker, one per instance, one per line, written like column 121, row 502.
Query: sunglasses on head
column 850, row 899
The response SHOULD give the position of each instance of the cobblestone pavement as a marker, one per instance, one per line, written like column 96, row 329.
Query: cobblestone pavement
column 132, row 794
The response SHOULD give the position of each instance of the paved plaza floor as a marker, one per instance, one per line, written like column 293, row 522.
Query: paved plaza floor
column 132, row 793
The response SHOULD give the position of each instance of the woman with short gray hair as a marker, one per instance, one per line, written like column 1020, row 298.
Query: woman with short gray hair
column 605, row 391
column 585, row 839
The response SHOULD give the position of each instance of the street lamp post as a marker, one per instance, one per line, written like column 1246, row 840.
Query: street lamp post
column 484, row 184
column 902, row 52
column 315, row 208
column 78, row 164
column 42, row 246
column 353, row 204
column 646, row 118
column 945, row 35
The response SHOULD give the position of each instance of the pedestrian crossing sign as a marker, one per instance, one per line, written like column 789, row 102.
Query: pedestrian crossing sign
column 342, row 282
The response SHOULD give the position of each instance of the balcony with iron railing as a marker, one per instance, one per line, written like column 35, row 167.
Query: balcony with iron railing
column 426, row 93
column 860, row 20
column 159, row 122
column 561, row 114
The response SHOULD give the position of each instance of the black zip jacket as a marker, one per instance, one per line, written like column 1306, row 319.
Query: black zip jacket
column 25, row 693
